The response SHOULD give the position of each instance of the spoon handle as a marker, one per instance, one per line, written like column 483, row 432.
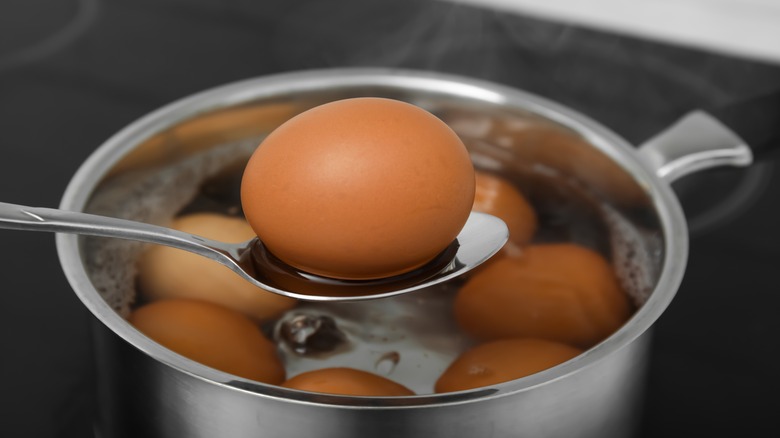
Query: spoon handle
column 20, row 217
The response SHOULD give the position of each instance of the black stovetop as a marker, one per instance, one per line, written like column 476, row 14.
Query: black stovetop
column 73, row 72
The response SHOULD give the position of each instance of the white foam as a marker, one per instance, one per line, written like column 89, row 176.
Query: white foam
column 154, row 196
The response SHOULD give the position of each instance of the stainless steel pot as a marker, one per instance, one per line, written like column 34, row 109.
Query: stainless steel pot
column 147, row 390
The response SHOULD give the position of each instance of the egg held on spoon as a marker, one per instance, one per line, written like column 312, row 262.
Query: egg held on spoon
column 359, row 189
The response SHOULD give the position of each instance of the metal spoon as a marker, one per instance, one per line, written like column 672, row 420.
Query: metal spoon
column 481, row 237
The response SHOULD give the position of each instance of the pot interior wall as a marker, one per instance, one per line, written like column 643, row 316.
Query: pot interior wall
column 195, row 163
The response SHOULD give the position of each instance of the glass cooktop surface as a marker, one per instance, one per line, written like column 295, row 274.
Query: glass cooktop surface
column 73, row 72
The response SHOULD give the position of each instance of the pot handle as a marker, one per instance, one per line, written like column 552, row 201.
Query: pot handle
column 756, row 120
column 729, row 135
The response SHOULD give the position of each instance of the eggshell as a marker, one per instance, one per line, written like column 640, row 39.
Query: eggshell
column 346, row 381
column 212, row 335
column 165, row 272
column 495, row 195
column 359, row 188
column 501, row 361
column 562, row 292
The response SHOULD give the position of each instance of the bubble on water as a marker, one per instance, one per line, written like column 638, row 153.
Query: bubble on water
column 387, row 362
column 637, row 254
column 310, row 334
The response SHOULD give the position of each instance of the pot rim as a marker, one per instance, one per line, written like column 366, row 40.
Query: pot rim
column 665, row 203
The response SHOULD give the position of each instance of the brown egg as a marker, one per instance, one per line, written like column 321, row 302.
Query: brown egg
column 494, row 195
column 346, row 381
column 165, row 272
column 359, row 188
column 501, row 361
column 212, row 335
column 561, row 292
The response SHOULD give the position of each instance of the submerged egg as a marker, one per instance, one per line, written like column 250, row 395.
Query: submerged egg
column 501, row 361
column 496, row 196
column 346, row 381
column 212, row 335
column 165, row 272
column 562, row 292
column 359, row 188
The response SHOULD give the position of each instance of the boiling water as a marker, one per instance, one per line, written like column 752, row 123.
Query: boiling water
column 409, row 338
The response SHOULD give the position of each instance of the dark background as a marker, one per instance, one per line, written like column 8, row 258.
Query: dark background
column 73, row 72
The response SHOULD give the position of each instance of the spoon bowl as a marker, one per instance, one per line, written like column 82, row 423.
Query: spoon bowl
column 482, row 236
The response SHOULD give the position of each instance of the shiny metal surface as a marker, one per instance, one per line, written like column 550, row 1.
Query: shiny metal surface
column 696, row 142
column 140, row 396
column 481, row 237
column 147, row 390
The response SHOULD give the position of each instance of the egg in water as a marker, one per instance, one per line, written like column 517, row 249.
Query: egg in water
column 501, row 361
column 212, row 335
column 562, row 292
column 165, row 272
column 346, row 381
column 496, row 196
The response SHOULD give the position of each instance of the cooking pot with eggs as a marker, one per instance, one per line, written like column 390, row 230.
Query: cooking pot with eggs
column 548, row 339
